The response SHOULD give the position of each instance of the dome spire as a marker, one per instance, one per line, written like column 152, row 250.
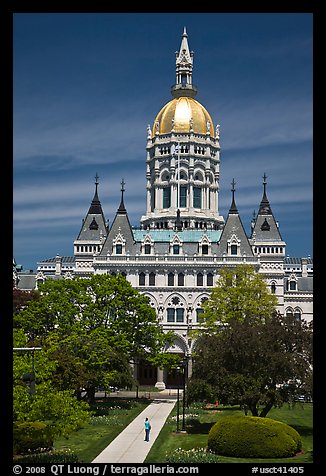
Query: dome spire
column 184, row 64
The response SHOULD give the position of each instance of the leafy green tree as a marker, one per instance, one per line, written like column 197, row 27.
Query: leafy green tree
column 59, row 409
column 251, row 355
column 99, row 324
column 86, row 360
column 21, row 298
column 240, row 294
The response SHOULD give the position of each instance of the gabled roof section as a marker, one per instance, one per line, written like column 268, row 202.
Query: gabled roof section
column 94, row 226
column 265, row 228
column 234, row 233
column 121, row 227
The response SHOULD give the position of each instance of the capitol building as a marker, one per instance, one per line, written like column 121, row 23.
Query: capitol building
column 175, row 254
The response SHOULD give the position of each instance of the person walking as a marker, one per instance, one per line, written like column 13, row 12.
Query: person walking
column 147, row 429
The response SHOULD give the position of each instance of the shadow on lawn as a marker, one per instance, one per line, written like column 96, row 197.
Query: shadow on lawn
column 196, row 427
column 303, row 430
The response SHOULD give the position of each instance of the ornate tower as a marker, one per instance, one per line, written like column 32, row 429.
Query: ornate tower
column 183, row 158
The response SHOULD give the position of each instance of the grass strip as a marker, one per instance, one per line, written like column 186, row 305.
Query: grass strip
column 112, row 416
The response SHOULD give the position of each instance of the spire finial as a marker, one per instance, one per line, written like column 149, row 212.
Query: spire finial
column 96, row 181
column 184, row 64
column 233, row 186
column 233, row 208
column 122, row 208
column 264, row 208
column 264, row 182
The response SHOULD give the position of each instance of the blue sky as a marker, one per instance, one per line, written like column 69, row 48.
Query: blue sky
column 86, row 85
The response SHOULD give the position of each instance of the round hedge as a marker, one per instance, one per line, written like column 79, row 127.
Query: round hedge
column 253, row 437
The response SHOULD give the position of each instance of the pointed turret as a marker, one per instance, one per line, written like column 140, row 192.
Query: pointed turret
column 120, row 239
column 92, row 234
column 265, row 234
column 93, row 226
column 184, row 64
column 234, row 241
column 265, row 226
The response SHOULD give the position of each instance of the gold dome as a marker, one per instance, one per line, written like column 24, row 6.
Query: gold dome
column 183, row 110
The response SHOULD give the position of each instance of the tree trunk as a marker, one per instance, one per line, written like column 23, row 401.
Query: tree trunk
column 253, row 410
column 266, row 409
column 91, row 395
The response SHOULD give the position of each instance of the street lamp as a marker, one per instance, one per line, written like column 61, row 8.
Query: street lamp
column 184, row 366
column 178, row 399
column 29, row 377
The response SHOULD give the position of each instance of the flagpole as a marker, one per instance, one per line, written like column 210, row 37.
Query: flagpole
column 178, row 175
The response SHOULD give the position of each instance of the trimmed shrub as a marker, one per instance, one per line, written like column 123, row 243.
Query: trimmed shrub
column 30, row 437
column 253, row 437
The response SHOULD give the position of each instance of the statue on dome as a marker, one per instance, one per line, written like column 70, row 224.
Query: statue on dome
column 149, row 132
column 217, row 131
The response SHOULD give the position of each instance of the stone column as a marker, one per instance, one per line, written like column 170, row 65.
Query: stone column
column 160, row 383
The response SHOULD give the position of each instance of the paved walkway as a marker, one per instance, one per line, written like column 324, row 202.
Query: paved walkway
column 129, row 446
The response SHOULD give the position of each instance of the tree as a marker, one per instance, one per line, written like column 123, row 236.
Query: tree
column 86, row 360
column 240, row 294
column 21, row 298
column 249, row 353
column 99, row 323
column 57, row 408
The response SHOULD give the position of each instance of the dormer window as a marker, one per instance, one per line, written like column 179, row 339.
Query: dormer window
column 234, row 249
column 93, row 225
column 204, row 249
column 205, row 246
column 293, row 286
column 147, row 249
column 119, row 245
column 176, row 249
column 292, row 283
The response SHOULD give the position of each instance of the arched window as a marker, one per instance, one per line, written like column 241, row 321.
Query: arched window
column 152, row 279
column 200, row 279
column 166, row 197
column 175, row 314
column 273, row 288
column 181, row 279
column 197, row 197
column 183, row 196
column 209, row 279
column 141, row 279
column 199, row 311
column 170, row 279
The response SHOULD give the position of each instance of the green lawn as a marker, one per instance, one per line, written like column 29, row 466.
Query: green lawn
column 200, row 420
column 112, row 416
